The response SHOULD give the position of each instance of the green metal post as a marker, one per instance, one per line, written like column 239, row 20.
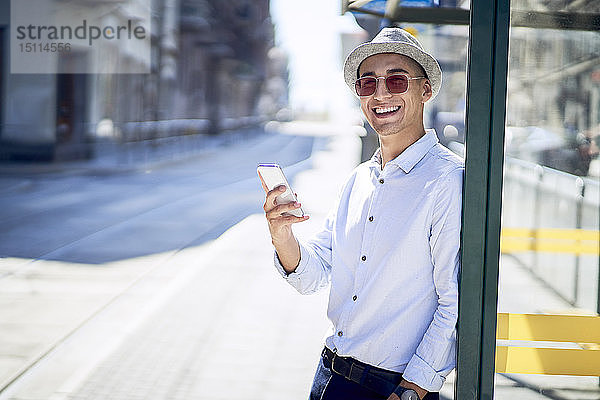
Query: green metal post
column 485, row 116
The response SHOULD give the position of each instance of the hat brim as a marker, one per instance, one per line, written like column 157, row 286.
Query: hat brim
column 360, row 53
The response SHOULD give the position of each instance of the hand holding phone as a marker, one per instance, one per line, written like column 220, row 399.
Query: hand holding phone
column 280, row 216
column 272, row 176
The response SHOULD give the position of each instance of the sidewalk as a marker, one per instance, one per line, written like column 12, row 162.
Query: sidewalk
column 214, row 321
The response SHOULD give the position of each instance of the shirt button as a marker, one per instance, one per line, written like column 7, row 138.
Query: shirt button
column 371, row 219
column 354, row 297
column 381, row 181
column 340, row 333
column 364, row 258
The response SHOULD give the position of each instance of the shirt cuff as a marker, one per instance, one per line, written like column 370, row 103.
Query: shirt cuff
column 300, row 269
column 419, row 372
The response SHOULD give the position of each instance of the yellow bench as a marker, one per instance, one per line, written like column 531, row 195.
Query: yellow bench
column 583, row 330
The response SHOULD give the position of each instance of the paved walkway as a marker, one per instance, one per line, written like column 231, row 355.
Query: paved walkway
column 208, row 322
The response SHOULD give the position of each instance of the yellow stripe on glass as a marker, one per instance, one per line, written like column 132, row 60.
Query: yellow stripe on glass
column 526, row 360
column 573, row 241
column 549, row 328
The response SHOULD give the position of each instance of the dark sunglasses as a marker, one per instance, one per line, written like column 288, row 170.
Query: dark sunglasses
column 395, row 83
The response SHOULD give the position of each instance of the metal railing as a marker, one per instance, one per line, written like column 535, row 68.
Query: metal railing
column 550, row 225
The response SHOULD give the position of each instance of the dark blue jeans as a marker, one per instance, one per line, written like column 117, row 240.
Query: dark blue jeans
column 330, row 386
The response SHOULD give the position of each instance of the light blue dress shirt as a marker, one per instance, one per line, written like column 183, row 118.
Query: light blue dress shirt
column 390, row 248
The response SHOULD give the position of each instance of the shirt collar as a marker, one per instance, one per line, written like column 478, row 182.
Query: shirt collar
column 413, row 153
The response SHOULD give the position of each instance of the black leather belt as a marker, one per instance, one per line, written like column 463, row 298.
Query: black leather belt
column 375, row 379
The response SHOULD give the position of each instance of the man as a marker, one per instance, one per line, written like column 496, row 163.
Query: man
column 390, row 247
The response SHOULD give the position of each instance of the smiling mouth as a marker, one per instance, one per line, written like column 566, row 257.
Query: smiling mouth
column 385, row 111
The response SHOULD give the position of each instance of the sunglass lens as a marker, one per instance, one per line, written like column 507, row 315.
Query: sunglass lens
column 365, row 86
column 397, row 83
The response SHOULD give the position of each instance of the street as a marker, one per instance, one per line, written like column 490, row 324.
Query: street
column 98, row 219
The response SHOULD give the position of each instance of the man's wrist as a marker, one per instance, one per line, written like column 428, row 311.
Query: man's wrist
column 288, row 255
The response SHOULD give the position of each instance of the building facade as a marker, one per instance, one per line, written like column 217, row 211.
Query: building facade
column 211, row 65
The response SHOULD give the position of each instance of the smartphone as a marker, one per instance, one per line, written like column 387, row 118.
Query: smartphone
column 273, row 176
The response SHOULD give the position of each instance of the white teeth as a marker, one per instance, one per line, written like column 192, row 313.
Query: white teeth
column 386, row 109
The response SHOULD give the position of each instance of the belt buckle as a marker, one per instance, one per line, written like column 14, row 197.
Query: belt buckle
column 335, row 357
column 348, row 374
column 353, row 367
column 333, row 364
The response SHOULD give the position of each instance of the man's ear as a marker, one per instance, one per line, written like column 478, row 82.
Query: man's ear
column 427, row 91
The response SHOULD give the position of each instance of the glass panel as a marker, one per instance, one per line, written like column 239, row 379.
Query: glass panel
column 446, row 113
column 551, row 200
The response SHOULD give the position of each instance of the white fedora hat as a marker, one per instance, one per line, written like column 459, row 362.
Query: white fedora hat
column 393, row 40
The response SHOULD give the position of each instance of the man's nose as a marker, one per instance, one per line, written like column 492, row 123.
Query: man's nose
column 381, row 90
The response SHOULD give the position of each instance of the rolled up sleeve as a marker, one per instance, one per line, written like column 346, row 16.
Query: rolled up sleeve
column 314, row 270
column 435, row 356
